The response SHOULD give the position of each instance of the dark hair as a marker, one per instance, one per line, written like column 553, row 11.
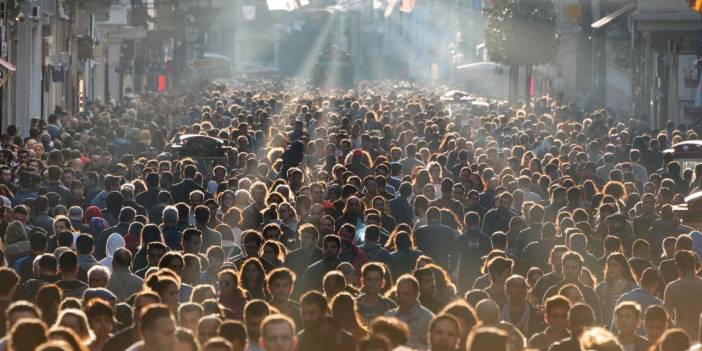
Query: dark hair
column 151, row 314
column 315, row 297
column 68, row 261
column 64, row 239
column 98, row 307
column 38, row 241
column 395, row 330
column 232, row 330
column 557, row 301
column 281, row 273
column 9, row 279
column 257, row 308
column 685, row 260
column 27, row 335
column 85, row 244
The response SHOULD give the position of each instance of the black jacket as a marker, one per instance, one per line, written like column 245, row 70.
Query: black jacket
column 180, row 192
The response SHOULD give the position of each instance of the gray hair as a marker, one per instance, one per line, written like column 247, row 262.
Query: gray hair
column 97, row 269
column 170, row 215
column 75, row 212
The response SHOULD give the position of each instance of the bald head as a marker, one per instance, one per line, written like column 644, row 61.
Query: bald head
column 488, row 312
column 122, row 258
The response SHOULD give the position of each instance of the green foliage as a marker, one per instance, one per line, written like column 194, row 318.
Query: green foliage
column 521, row 32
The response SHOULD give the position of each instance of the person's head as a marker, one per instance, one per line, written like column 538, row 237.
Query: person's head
column 500, row 269
column 627, row 316
column 27, row 335
column 100, row 318
column 617, row 267
column 373, row 277
column 189, row 314
column 68, row 264
column 465, row 315
column 599, row 339
column 38, row 242
column 154, row 251
column 278, row 333
column 185, row 340
column 572, row 265
column 141, row 300
column 252, row 241
column 426, row 279
column 580, row 317
column 75, row 320
column 207, row 328
column 252, row 274
column 444, row 333
column 331, row 246
column 172, row 260
column 516, row 289
column 10, row 282
column 280, row 283
column 505, row 201
column 395, row 331
column 556, row 313
column 157, row 327
column 374, row 343
column 673, row 339
column 192, row 240
column 258, row 192
column 235, row 332
column 313, row 310
column 487, row 338
column 20, row 310
column 655, row 321
column 333, row 283
column 685, row 262
column 254, row 312
column 217, row 343
column 309, row 236
column 407, row 291
column 344, row 310
column 98, row 276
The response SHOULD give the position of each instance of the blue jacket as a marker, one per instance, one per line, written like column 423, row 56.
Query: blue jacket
column 401, row 210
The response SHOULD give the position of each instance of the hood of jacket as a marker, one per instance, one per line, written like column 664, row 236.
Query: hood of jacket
column 15, row 233
column 114, row 241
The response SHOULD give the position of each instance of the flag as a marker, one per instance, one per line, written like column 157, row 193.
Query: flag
column 406, row 6
column 390, row 7
column 249, row 12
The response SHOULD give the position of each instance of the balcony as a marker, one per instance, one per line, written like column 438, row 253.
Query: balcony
column 668, row 15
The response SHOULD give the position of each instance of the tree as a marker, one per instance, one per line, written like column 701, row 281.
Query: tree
column 521, row 33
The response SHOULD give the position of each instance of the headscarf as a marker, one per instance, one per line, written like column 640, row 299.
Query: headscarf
column 90, row 213
column 98, row 223
column 114, row 241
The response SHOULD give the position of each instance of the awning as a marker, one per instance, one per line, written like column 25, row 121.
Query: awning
column 606, row 21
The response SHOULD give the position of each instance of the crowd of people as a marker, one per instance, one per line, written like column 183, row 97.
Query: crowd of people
column 370, row 220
